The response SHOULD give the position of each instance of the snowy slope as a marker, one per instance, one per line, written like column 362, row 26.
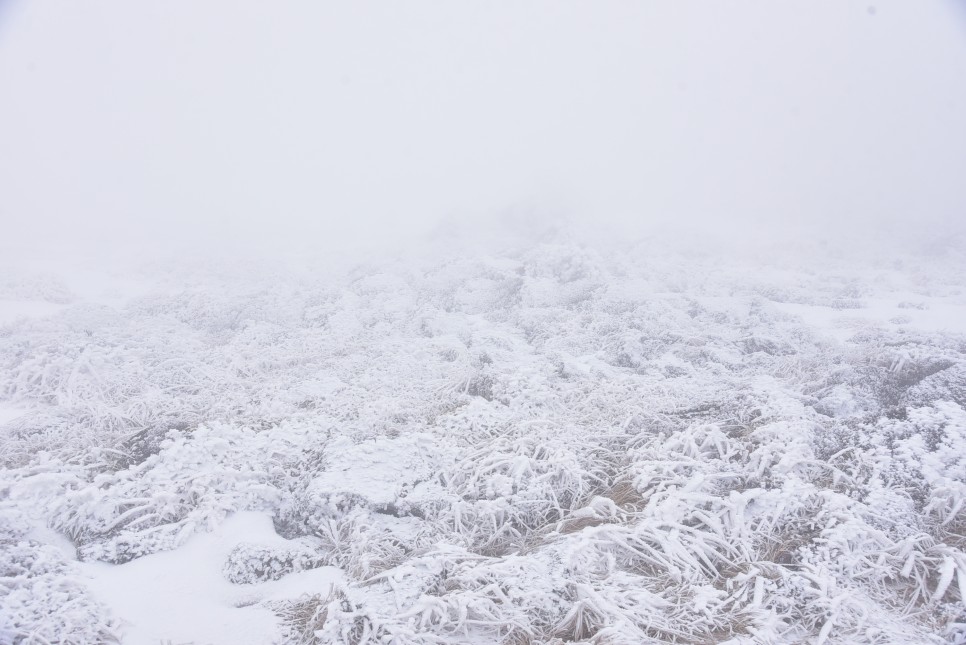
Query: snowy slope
column 543, row 445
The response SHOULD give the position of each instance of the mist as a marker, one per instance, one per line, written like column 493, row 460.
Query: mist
column 439, row 322
column 145, row 128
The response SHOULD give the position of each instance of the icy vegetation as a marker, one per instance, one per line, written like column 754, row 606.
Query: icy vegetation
column 552, row 444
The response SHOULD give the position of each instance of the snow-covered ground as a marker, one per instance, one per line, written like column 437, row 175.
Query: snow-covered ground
column 9, row 413
column 895, row 314
column 183, row 595
column 13, row 310
column 553, row 443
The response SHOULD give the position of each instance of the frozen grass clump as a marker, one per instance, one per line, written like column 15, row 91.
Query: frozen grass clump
column 43, row 599
column 196, row 479
column 253, row 563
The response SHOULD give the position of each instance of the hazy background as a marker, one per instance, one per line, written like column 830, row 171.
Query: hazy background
column 137, row 128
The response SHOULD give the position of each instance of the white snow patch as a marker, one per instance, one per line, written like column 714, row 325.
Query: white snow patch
column 9, row 412
column 936, row 315
column 182, row 596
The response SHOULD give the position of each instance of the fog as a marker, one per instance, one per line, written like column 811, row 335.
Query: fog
column 143, row 128
column 482, row 321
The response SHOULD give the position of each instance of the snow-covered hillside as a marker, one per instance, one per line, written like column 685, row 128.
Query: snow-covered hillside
column 546, row 445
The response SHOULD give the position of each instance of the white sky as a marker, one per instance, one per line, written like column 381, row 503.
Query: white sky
column 151, row 123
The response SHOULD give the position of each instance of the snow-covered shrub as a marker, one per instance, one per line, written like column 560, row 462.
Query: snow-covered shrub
column 196, row 480
column 43, row 599
column 332, row 618
column 252, row 563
